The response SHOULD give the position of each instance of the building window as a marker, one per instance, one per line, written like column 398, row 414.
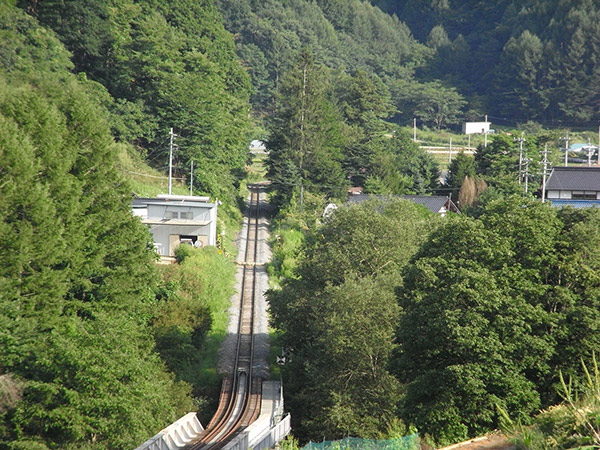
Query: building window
column 583, row 195
column 186, row 215
column 172, row 215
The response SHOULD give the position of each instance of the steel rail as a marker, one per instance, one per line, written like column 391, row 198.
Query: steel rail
column 239, row 402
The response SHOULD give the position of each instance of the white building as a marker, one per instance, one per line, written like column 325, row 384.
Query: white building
column 177, row 219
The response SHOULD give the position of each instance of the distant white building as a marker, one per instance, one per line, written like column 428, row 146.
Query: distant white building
column 178, row 219
column 476, row 127
column 257, row 146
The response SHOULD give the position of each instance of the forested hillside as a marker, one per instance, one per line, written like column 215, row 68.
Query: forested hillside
column 165, row 64
column 517, row 60
column 87, row 333
column 76, row 273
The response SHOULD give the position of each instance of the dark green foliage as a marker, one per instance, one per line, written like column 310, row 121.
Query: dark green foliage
column 539, row 57
column 461, row 166
column 344, row 34
column 167, row 65
column 306, row 140
column 337, row 381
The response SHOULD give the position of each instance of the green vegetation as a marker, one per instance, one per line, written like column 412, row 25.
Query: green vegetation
column 573, row 424
column 337, row 383
column 163, row 65
column 77, row 274
column 491, row 309
column 191, row 320
column 97, row 349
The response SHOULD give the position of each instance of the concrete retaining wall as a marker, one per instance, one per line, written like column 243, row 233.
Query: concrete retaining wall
column 176, row 435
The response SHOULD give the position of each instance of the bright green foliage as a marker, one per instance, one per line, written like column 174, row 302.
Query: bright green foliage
column 76, row 277
column 572, row 424
column 191, row 320
column 401, row 167
column 490, row 316
column 337, row 381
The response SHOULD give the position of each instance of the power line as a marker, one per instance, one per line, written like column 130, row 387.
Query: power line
column 150, row 176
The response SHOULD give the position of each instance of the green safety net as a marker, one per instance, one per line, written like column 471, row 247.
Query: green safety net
column 404, row 443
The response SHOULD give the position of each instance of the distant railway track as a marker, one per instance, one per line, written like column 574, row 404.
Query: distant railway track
column 240, row 400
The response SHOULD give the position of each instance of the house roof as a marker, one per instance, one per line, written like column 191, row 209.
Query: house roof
column 182, row 200
column 581, row 146
column 435, row 203
column 574, row 179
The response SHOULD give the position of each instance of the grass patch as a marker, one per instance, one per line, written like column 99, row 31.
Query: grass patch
column 192, row 318
column 144, row 180
column 286, row 243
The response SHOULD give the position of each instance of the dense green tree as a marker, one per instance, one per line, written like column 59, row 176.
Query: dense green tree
column 306, row 141
column 437, row 105
column 77, row 271
column 403, row 168
column 462, row 166
column 364, row 102
column 473, row 315
column 493, row 308
column 521, row 81
column 337, row 378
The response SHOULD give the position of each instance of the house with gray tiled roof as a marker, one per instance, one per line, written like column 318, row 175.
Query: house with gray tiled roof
column 574, row 186
column 435, row 203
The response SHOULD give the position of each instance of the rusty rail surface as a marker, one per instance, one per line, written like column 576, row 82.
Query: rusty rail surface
column 240, row 399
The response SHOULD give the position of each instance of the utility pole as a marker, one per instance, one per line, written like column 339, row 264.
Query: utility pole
column 172, row 135
column 485, row 133
column 545, row 163
column 450, row 153
column 520, row 141
column 566, row 139
column 598, row 145
column 590, row 151
column 415, row 130
column 526, row 162
column 192, row 178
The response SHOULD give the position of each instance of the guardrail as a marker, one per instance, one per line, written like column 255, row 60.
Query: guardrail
column 176, row 435
column 268, row 439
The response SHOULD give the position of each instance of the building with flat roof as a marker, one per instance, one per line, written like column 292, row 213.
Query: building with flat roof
column 178, row 219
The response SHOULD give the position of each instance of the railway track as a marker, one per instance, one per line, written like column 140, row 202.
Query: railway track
column 240, row 399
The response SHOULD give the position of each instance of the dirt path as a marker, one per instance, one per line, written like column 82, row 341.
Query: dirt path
column 496, row 441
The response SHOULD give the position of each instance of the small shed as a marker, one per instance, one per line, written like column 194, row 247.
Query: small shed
column 178, row 219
